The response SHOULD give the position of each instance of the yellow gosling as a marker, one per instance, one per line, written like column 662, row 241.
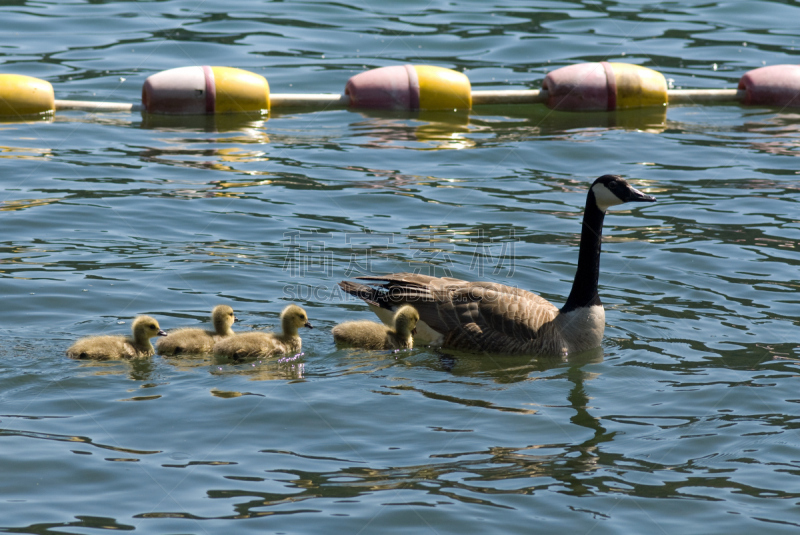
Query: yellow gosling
column 194, row 340
column 372, row 335
column 261, row 345
column 119, row 347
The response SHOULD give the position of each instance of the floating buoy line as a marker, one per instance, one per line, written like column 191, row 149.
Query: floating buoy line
column 601, row 86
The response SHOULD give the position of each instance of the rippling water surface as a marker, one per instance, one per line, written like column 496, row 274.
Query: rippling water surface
column 684, row 421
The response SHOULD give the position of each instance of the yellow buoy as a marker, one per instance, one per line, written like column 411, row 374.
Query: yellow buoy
column 443, row 89
column 240, row 91
column 25, row 95
column 639, row 87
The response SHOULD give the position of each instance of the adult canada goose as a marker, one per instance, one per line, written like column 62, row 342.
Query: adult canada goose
column 492, row 317
column 261, row 345
column 371, row 335
column 114, row 347
column 194, row 340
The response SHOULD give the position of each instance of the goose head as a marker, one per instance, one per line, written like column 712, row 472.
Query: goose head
column 405, row 321
column 222, row 317
column 292, row 318
column 144, row 328
column 611, row 190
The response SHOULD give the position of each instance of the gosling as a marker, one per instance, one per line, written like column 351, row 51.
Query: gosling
column 119, row 347
column 261, row 345
column 372, row 335
column 194, row 340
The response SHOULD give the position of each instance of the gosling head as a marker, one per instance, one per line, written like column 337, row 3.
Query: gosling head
column 145, row 328
column 611, row 190
column 405, row 320
column 222, row 317
column 292, row 318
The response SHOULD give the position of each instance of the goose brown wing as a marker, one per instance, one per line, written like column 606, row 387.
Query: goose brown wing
column 471, row 315
column 429, row 295
column 497, row 318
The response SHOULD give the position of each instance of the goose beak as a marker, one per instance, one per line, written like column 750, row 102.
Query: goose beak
column 162, row 332
column 307, row 324
column 634, row 195
column 235, row 319
column 414, row 331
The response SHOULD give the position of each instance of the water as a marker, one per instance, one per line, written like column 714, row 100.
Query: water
column 683, row 422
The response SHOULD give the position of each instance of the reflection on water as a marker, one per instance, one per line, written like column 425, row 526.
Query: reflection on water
column 459, row 365
column 279, row 369
column 287, row 368
column 781, row 132
column 24, row 153
column 251, row 125
column 434, row 130
column 73, row 439
column 509, row 369
column 143, row 369
column 21, row 204
column 230, row 394
column 538, row 120
column 82, row 521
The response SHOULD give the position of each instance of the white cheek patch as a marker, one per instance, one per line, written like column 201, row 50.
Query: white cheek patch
column 604, row 197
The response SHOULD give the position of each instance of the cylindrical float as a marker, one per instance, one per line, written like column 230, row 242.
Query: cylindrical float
column 25, row 95
column 205, row 90
column 410, row 87
column 604, row 86
column 776, row 85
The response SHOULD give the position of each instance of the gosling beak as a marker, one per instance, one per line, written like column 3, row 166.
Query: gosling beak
column 235, row 319
column 414, row 330
column 307, row 324
column 162, row 332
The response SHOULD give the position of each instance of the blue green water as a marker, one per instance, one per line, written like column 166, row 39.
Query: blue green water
column 685, row 421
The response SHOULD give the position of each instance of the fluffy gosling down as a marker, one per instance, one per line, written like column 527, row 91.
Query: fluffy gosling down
column 194, row 340
column 119, row 347
column 372, row 335
column 262, row 345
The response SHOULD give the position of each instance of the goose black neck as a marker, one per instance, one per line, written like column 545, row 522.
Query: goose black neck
column 584, row 287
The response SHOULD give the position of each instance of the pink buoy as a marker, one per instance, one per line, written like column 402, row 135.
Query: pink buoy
column 584, row 86
column 181, row 91
column 387, row 88
column 776, row 85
